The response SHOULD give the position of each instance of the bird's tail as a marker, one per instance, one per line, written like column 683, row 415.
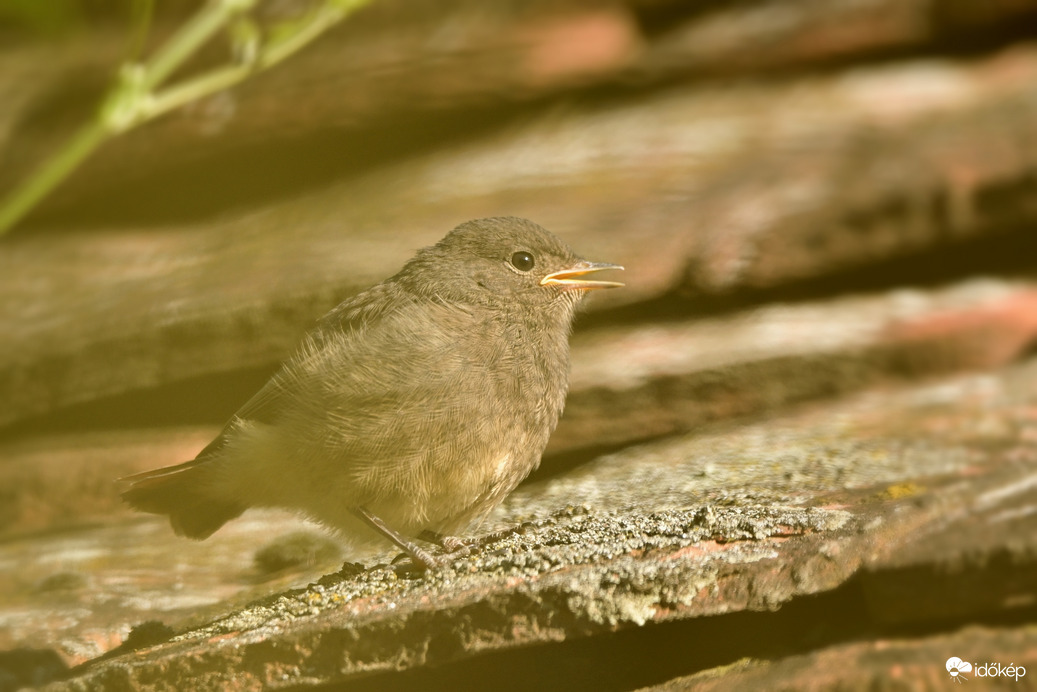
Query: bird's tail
column 178, row 491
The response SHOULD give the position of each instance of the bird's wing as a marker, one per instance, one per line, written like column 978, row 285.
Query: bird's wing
column 266, row 405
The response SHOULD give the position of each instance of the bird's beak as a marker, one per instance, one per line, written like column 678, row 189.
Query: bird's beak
column 573, row 277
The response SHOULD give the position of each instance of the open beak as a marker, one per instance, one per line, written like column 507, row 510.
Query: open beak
column 573, row 277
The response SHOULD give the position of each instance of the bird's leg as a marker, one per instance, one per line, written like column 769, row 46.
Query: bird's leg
column 416, row 552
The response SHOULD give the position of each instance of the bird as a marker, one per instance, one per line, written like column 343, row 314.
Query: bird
column 410, row 410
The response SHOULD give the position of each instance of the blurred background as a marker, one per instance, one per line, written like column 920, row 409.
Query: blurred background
column 812, row 198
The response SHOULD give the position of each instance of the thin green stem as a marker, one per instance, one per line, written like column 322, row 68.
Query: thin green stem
column 323, row 18
column 199, row 29
column 51, row 173
column 143, row 11
column 135, row 98
column 209, row 83
column 223, row 78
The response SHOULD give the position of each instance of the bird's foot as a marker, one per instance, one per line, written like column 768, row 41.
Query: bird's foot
column 419, row 557
column 455, row 543
column 420, row 560
column 504, row 533
column 415, row 558
column 457, row 546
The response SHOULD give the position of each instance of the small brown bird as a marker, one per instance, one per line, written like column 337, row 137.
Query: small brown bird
column 411, row 409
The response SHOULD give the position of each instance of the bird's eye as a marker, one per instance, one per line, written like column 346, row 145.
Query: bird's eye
column 522, row 260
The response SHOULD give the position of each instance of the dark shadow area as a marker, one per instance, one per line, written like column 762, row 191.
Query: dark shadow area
column 1008, row 254
column 653, row 654
column 24, row 668
column 962, row 28
column 562, row 463
column 204, row 400
column 661, row 17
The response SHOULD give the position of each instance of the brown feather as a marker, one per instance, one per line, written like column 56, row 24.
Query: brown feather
column 175, row 491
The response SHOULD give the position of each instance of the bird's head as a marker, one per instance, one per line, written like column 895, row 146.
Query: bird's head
column 504, row 261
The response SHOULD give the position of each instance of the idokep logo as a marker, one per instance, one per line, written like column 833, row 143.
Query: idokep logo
column 957, row 669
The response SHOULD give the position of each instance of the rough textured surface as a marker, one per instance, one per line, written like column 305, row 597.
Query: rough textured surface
column 745, row 518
